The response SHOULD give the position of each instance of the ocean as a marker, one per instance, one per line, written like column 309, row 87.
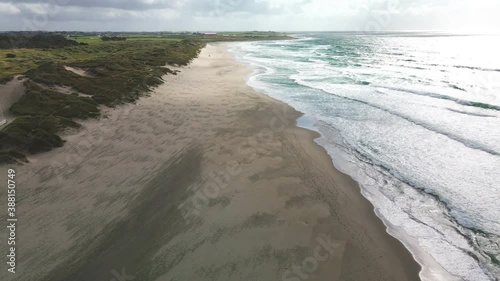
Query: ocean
column 415, row 119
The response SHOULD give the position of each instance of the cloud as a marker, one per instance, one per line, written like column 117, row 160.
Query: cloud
column 286, row 15
column 8, row 9
column 117, row 4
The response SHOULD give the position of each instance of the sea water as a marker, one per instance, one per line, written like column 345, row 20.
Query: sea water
column 415, row 119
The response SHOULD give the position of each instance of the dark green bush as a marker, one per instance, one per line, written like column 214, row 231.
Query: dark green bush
column 39, row 101
column 12, row 157
column 27, row 135
column 16, row 40
column 113, row 38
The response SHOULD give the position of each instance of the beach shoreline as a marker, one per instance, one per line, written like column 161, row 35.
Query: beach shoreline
column 204, row 179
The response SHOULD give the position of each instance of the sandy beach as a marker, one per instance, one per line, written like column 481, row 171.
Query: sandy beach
column 204, row 179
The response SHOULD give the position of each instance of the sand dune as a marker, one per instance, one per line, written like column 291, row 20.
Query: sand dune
column 9, row 94
column 205, row 179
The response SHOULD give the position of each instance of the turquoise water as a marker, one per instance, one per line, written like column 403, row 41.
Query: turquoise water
column 415, row 119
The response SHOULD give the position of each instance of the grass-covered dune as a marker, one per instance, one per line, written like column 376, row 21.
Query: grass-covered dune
column 120, row 71
column 114, row 73
column 39, row 101
column 34, row 134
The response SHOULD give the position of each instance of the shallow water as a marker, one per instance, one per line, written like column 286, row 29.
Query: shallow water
column 413, row 117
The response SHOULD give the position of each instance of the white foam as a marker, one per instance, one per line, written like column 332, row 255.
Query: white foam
column 431, row 142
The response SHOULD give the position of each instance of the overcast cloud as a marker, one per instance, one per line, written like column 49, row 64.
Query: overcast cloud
column 280, row 15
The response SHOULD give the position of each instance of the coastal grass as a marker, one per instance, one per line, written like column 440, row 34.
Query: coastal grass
column 97, row 39
column 41, row 102
column 33, row 134
column 107, row 52
column 12, row 157
column 116, row 73
column 120, row 71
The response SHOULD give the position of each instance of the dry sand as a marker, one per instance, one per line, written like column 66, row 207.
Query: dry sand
column 9, row 94
column 78, row 71
column 205, row 179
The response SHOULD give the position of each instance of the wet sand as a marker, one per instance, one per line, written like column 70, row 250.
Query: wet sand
column 205, row 179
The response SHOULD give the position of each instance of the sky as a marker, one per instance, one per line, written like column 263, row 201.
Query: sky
column 245, row 15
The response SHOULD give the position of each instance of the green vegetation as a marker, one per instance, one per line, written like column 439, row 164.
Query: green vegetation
column 12, row 157
column 5, row 79
column 34, row 134
column 44, row 113
column 99, row 72
column 17, row 40
column 113, row 38
column 95, row 38
column 118, row 72
column 41, row 102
